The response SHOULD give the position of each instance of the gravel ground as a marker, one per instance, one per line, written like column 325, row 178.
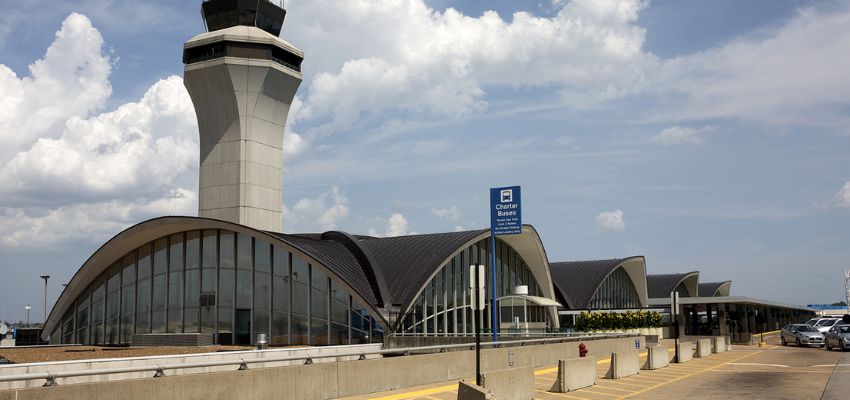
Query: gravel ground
column 44, row 354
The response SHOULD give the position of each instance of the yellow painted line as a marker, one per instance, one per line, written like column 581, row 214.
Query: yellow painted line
column 417, row 393
column 586, row 390
column 612, row 388
column 564, row 395
column 617, row 382
column 695, row 373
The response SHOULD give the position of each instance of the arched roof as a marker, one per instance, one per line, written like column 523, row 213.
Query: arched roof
column 660, row 286
column 577, row 281
column 712, row 289
column 387, row 273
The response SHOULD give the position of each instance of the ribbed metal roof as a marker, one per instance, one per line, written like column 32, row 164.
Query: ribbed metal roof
column 407, row 262
column 336, row 258
column 660, row 286
column 577, row 281
column 709, row 289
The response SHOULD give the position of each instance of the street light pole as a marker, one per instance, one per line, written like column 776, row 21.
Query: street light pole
column 28, row 308
column 45, row 277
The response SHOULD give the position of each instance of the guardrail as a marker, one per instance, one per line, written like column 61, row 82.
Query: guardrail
column 159, row 370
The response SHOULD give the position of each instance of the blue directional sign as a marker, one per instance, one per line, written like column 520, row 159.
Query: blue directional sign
column 506, row 211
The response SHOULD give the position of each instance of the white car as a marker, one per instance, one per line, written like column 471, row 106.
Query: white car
column 825, row 324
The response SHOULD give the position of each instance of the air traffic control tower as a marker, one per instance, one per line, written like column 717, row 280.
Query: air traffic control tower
column 242, row 79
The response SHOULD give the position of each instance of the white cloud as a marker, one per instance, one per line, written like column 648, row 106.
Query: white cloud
column 451, row 214
column 426, row 63
column 396, row 226
column 611, row 221
column 321, row 213
column 93, row 222
column 795, row 74
column 681, row 135
column 70, row 80
column 842, row 198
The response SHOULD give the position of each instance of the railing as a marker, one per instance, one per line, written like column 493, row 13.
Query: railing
column 242, row 364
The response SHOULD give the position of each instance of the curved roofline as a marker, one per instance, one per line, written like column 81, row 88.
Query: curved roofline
column 144, row 232
column 638, row 279
column 690, row 279
column 519, row 243
column 727, row 285
column 366, row 260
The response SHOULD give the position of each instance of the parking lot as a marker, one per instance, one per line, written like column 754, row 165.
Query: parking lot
column 770, row 372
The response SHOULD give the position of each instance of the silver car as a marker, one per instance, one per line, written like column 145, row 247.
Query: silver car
column 826, row 324
column 838, row 336
column 802, row 335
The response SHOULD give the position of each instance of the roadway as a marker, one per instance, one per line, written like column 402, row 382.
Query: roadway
column 770, row 372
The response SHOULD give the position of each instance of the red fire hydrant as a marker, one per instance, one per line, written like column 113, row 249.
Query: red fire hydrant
column 582, row 350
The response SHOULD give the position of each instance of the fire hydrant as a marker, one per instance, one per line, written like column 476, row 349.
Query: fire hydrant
column 582, row 350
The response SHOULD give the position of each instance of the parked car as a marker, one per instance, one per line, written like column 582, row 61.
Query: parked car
column 826, row 323
column 802, row 335
column 838, row 336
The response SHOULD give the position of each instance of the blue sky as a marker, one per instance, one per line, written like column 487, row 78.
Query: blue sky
column 705, row 136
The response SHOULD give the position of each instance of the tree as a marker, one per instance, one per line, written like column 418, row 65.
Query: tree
column 839, row 304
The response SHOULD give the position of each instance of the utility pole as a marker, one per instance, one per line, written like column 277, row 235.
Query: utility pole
column 45, row 277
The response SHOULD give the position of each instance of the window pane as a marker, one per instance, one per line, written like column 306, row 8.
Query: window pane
column 318, row 332
column 244, row 283
column 262, row 256
column 143, row 308
column 210, row 255
column 193, row 288
column 299, row 330
column 280, row 329
column 281, row 293
column 299, row 298
column 208, row 319
column 339, row 334
column 281, row 262
column 244, row 252
column 193, row 248
column 261, row 322
column 262, row 290
column 160, row 256
column 226, row 250
column 226, row 287
column 158, row 304
column 175, row 302
column 129, row 273
column 225, row 320
column 144, row 264
column 339, row 312
column 319, row 280
column 299, row 269
column 190, row 320
column 319, row 304
column 175, row 256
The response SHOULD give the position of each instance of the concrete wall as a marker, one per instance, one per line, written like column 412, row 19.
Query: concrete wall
column 719, row 344
column 624, row 363
column 324, row 380
column 19, row 369
column 686, row 352
column 657, row 357
column 703, row 348
column 575, row 373
column 510, row 384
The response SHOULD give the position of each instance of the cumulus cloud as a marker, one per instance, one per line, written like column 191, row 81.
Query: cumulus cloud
column 451, row 214
column 611, row 221
column 396, row 226
column 842, row 198
column 793, row 74
column 320, row 213
column 72, row 79
column 72, row 172
column 680, row 135
column 428, row 63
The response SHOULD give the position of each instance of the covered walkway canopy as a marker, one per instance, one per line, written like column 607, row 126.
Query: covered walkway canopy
column 523, row 312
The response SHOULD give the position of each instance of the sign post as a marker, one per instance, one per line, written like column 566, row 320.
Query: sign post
column 476, row 290
column 505, row 219
column 674, row 316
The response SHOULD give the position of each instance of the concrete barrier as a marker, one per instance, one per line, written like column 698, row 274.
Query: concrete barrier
column 657, row 357
column 575, row 373
column 471, row 391
column 623, row 364
column 719, row 343
column 685, row 351
column 510, row 384
column 703, row 348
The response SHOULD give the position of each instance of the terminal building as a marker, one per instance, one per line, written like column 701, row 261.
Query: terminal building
column 229, row 276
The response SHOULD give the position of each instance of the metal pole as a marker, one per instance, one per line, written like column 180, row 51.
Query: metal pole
column 477, row 329
column 28, row 314
column 45, row 277
column 674, row 315
column 494, row 324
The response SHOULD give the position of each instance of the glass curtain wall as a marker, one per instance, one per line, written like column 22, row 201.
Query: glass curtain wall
column 229, row 285
column 616, row 292
column 444, row 306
